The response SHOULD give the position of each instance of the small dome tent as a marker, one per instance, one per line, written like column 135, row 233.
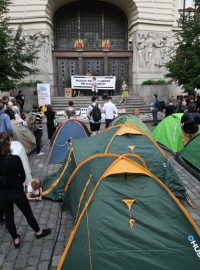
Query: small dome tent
column 68, row 130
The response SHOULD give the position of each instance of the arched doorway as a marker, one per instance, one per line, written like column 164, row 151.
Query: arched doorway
column 90, row 37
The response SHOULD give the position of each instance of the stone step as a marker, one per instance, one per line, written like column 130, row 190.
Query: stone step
column 134, row 102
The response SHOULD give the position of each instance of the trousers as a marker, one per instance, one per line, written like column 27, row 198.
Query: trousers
column 23, row 204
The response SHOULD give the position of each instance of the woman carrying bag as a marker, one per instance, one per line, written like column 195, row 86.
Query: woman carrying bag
column 12, row 191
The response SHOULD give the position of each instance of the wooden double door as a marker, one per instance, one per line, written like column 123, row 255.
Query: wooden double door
column 97, row 66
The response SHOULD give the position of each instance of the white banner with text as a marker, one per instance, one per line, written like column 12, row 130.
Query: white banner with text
column 86, row 82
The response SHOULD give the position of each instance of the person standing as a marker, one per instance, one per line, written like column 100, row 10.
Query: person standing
column 94, row 86
column 5, row 123
column 50, row 115
column 20, row 98
column 70, row 111
column 94, row 116
column 12, row 192
column 39, row 130
column 110, row 110
column 124, row 96
column 154, row 109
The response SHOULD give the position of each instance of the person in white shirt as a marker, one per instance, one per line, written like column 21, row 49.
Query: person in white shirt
column 110, row 111
column 18, row 149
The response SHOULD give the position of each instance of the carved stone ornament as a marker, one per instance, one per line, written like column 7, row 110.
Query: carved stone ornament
column 152, row 49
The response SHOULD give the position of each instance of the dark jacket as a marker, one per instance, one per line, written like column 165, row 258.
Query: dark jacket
column 15, row 176
column 190, row 122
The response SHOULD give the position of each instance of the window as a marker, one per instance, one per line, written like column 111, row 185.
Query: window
column 185, row 5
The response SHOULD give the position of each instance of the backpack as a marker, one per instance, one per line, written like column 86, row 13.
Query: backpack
column 96, row 113
column 32, row 124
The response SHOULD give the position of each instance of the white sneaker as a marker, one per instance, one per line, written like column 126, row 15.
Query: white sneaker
column 40, row 154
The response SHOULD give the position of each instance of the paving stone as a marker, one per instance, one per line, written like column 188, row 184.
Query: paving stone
column 21, row 261
column 43, row 265
column 36, row 251
column 12, row 255
column 8, row 266
column 46, row 254
column 26, row 247
column 29, row 236
column 2, row 257
column 55, row 260
column 59, row 248
column 33, row 261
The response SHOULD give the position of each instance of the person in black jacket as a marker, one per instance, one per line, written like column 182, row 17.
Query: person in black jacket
column 50, row 115
column 20, row 98
column 190, row 123
column 12, row 192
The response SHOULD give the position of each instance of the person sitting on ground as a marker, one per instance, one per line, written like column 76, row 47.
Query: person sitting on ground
column 190, row 124
column 8, row 110
column 124, row 96
column 5, row 122
column 70, row 111
column 12, row 192
column 34, row 190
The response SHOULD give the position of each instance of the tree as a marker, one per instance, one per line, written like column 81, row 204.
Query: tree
column 16, row 55
column 184, row 65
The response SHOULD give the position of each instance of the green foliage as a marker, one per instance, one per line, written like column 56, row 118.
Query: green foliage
column 184, row 65
column 154, row 82
column 16, row 55
column 28, row 84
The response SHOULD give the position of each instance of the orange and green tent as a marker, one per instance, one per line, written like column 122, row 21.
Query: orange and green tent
column 120, row 140
column 126, row 218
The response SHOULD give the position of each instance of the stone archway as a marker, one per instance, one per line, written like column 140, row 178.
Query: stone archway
column 127, row 6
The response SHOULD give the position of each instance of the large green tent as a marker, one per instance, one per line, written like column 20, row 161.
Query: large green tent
column 126, row 218
column 116, row 140
column 189, row 156
column 130, row 119
column 169, row 133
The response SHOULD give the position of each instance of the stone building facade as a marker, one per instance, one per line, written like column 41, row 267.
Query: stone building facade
column 140, row 32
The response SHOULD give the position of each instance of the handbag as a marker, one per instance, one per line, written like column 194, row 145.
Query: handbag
column 3, row 179
column 55, row 123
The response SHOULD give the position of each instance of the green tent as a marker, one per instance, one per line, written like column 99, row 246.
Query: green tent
column 169, row 132
column 189, row 157
column 126, row 218
column 116, row 140
column 129, row 119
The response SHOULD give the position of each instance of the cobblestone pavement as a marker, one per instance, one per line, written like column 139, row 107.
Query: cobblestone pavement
column 43, row 254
